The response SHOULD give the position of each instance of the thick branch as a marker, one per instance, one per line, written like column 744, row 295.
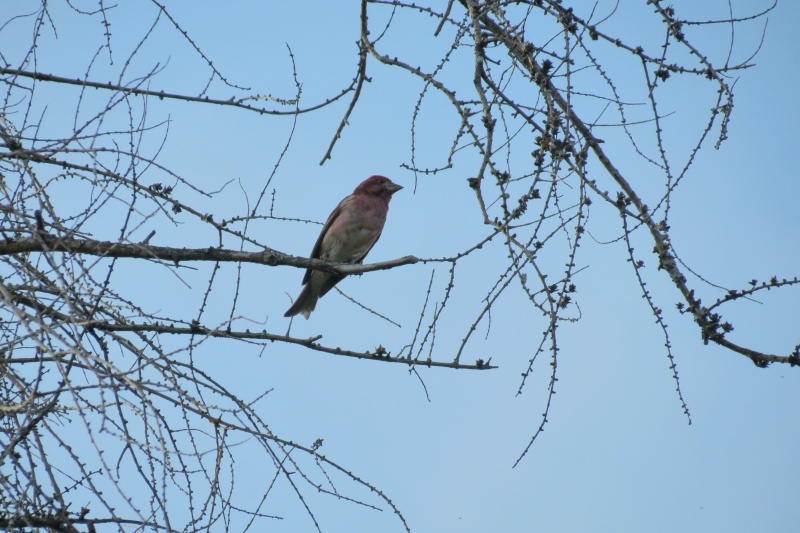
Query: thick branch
column 45, row 242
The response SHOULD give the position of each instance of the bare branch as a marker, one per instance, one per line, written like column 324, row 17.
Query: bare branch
column 44, row 242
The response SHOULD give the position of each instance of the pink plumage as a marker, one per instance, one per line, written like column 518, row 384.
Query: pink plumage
column 350, row 232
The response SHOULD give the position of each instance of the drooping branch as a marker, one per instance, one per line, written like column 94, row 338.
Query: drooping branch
column 710, row 324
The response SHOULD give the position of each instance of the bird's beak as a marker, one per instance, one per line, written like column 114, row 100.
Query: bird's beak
column 393, row 187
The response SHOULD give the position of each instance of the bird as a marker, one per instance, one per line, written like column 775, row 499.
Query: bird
column 350, row 232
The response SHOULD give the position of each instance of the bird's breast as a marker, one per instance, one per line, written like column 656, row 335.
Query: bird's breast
column 352, row 234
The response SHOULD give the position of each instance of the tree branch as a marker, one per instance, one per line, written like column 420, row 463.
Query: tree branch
column 161, row 95
column 709, row 327
column 45, row 242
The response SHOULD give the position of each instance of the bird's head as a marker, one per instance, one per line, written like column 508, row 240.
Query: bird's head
column 378, row 186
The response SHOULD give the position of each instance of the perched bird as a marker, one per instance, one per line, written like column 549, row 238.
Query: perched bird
column 350, row 232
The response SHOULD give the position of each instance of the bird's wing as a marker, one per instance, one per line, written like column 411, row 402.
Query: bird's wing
column 336, row 278
column 315, row 252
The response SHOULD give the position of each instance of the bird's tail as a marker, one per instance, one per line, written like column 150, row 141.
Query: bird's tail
column 305, row 303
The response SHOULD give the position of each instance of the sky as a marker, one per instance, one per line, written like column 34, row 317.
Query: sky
column 617, row 453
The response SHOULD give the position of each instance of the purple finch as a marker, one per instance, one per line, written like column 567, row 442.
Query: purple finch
column 350, row 232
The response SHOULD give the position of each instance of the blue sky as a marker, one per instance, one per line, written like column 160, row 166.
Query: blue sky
column 617, row 453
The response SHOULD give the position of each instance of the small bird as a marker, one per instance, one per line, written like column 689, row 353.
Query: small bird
column 350, row 232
